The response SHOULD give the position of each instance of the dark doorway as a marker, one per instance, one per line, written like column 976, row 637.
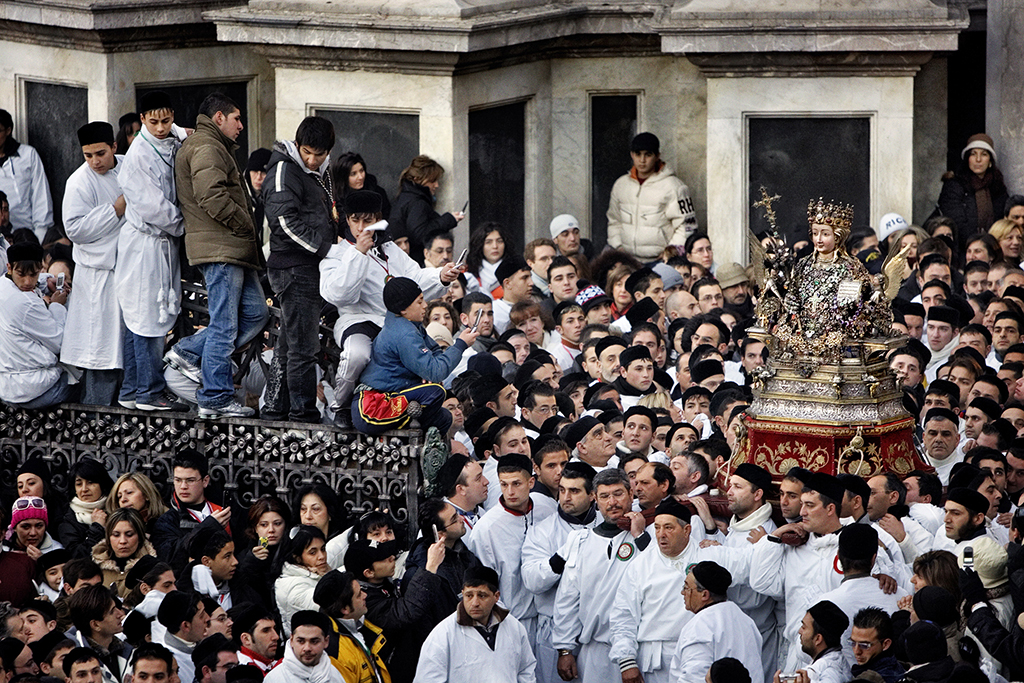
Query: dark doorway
column 497, row 169
column 804, row 158
column 966, row 108
column 54, row 113
column 612, row 127
column 386, row 141
column 187, row 98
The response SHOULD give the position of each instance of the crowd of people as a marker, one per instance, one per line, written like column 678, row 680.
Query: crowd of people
column 585, row 519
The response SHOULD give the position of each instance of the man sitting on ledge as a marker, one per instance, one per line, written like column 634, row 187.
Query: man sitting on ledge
column 406, row 367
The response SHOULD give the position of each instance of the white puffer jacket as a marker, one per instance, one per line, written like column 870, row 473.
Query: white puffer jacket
column 644, row 219
column 294, row 592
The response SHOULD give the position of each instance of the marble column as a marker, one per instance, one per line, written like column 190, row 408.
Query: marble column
column 1004, row 88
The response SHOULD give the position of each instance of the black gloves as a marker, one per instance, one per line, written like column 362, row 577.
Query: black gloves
column 557, row 563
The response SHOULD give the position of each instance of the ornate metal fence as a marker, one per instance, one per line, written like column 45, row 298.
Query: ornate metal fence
column 248, row 458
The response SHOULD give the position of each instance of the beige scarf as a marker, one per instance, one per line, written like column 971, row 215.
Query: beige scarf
column 753, row 520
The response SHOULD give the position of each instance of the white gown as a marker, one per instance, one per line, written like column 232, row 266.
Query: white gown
column 649, row 612
column 148, row 271
column 717, row 631
column 852, row 596
column 454, row 653
column 543, row 540
column 594, row 567
column 497, row 541
column 94, row 316
column 30, row 338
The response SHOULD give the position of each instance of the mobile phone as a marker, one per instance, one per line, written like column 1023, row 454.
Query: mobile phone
column 465, row 206
column 462, row 258
column 60, row 282
column 264, row 542
column 788, row 678
column 968, row 557
column 437, row 534
column 476, row 323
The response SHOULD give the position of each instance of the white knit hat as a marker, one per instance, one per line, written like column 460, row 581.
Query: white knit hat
column 563, row 222
column 891, row 222
column 989, row 561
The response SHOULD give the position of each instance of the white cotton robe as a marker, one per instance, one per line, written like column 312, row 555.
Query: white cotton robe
column 649, row 612
column 92, row 225
column 148, row 270
column 454, row 653
column 852, row 596
column 30, row 338
column 543, row 540
column 497, row 541
column 717, row 631
column 594, row 567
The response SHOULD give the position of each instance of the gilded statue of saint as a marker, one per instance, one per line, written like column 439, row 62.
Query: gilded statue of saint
column 831, row 299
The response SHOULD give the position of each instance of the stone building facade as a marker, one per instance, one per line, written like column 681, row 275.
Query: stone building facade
column 530, row 104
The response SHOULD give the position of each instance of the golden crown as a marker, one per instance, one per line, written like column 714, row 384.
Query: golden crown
column 838, row 216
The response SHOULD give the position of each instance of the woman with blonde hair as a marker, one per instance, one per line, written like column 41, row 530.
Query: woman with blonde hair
column 1008, row 234
column 413, row 214
column 137, row 491
column 124, row 544
column 910, row 236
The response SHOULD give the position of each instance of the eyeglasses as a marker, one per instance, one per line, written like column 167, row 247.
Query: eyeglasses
column 191, row 481
column 29, row 502
column 861, row 645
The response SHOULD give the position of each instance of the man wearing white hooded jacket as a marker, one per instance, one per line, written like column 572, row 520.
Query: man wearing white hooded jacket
column 650, row 208
column 305, row 660
column 94, row 209
column 352, row 277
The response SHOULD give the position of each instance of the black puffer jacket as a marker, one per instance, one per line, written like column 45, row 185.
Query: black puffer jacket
column 298, row 204
column 413, row 216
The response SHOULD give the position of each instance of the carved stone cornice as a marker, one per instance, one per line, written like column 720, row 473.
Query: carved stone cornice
column 797, row 65
column 111, row 40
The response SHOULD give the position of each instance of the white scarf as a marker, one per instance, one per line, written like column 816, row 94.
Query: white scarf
column 297, row 671
column 753, row 520
column 83, row 511
column 203, row 583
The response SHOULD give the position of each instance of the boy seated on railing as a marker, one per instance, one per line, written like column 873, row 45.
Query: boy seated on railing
column 406, row 367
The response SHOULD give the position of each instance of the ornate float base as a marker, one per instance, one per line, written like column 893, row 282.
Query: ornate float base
column 843, row 418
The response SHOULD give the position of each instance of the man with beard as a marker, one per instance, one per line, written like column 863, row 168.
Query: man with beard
column 821, row 633
column 543, row 566
column 965, row 516
column 650, row 611
column 596, row 561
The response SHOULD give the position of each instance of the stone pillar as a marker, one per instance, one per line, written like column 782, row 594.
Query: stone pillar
column 1004, row 88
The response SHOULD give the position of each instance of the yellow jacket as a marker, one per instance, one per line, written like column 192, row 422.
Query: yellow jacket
column 350, row 658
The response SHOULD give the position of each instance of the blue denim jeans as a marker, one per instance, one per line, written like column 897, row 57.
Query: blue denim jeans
column 59, row 392
column 238, row 312
column 143, row 368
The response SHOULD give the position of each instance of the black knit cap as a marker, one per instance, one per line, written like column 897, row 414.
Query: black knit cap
column 945, row 314
column 756, row 475
column 633, row 353
column 210, row 645
column 329, row 587
column 975, row 502
column 941, row 414
column 44, row 646
column 706, row 368
column 399, row 293
column 449, row 473
column 52, row 559
column 713, row 576
column 95, row 132
column 518, row 461
column 924, row 642
column 856, row 486
column 258, row 160
column 142, row 566
column 633, row 281
column 858, row 541
column 800, row 474
column 607, row 342
column 645, row 142
column 641, row 311
column 831, row 620
column 362, row 201
column 36, row 465
column 308, row 617
column 476, row 419
column 987, row 406
column 509, row 266
column 671, row 506
column 827, row 485
column 580, row 429
column 155, row 100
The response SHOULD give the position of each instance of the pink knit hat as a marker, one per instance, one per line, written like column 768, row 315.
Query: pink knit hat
column 28, row 507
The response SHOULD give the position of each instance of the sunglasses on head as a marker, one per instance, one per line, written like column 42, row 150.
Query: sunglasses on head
column 26, row 503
